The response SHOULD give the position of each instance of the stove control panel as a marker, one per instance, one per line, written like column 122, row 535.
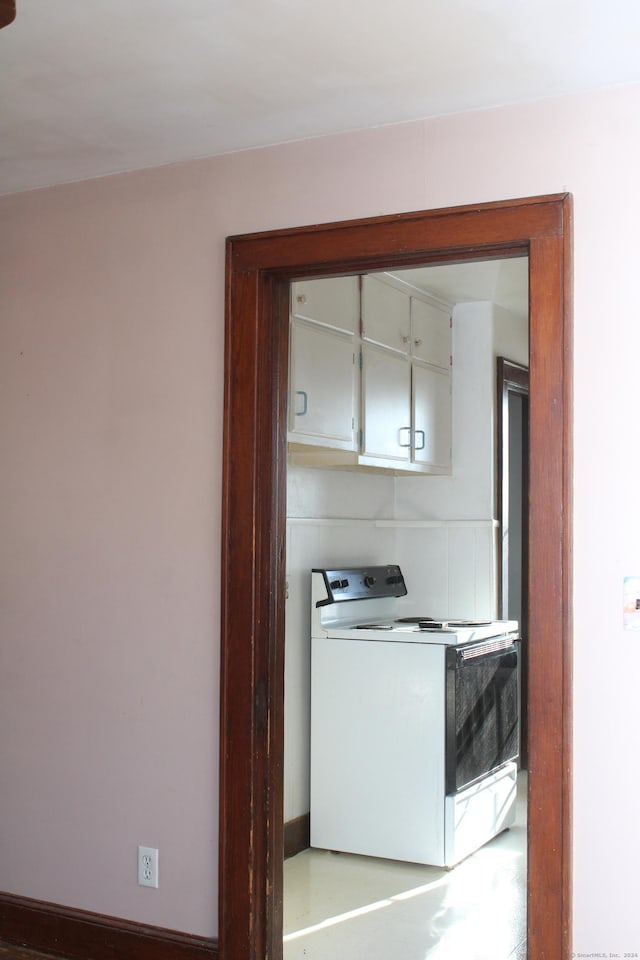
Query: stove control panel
column 362, row 583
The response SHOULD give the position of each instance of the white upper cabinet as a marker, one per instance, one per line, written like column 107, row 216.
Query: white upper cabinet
column 430, row 333
column 323, row 375
column 386, row 315
column 334, row 302
column 369, row 376
column 406, row 379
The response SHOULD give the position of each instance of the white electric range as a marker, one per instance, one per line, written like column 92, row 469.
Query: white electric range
column 414, row 725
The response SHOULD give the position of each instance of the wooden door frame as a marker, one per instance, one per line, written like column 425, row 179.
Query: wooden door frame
column 259, row 269
column 513, row 380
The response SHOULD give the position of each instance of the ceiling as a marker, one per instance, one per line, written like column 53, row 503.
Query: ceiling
column 93, row 88
column 503, row 282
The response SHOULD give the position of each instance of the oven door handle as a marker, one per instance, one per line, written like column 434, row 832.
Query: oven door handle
column 490, row 648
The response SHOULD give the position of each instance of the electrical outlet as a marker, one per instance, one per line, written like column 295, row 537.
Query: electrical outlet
column 147, row 867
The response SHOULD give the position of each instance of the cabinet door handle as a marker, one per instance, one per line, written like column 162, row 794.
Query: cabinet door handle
column 400, row 443
column 405, row 339
column 420, row 433
column 301, row 298
column 303, row 394
column 417, row 343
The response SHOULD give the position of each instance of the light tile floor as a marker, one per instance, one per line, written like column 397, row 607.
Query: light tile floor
column 352, row 908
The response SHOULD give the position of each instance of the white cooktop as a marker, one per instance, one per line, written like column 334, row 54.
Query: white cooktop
column 392, row 630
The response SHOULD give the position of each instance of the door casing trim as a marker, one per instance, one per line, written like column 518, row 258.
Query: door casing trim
column 259, row 269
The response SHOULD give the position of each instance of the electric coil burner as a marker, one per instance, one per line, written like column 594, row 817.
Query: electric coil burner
column 414, row 723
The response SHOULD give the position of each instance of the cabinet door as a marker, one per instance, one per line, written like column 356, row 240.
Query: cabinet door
column 386, row 404
column 386, row 317
column 430, row 333
column 431, row 417
column 322, row 386
column 334, row 301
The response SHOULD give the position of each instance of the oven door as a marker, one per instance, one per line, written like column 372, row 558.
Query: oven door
column 482, row 710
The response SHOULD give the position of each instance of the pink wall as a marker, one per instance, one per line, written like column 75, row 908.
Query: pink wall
column 111, row 408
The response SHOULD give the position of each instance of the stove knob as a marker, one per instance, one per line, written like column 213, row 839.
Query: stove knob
column 369, row 581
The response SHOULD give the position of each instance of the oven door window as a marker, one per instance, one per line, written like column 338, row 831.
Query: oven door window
column 482, row 730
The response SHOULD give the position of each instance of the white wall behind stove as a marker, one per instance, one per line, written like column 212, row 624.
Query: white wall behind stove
column 449, row 568
column 332, row 521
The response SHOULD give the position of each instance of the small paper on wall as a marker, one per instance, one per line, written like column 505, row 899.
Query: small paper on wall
column 631, row 608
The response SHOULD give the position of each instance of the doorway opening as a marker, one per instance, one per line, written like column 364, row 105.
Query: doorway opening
column 362, row 350
column 260, row 268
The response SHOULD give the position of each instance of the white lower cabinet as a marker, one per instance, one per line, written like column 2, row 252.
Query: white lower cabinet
column 431, row 392
column 386, row 406
column 322, row 387
column 406, row 413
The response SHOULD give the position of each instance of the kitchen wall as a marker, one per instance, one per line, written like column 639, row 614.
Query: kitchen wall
column 111, row 392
